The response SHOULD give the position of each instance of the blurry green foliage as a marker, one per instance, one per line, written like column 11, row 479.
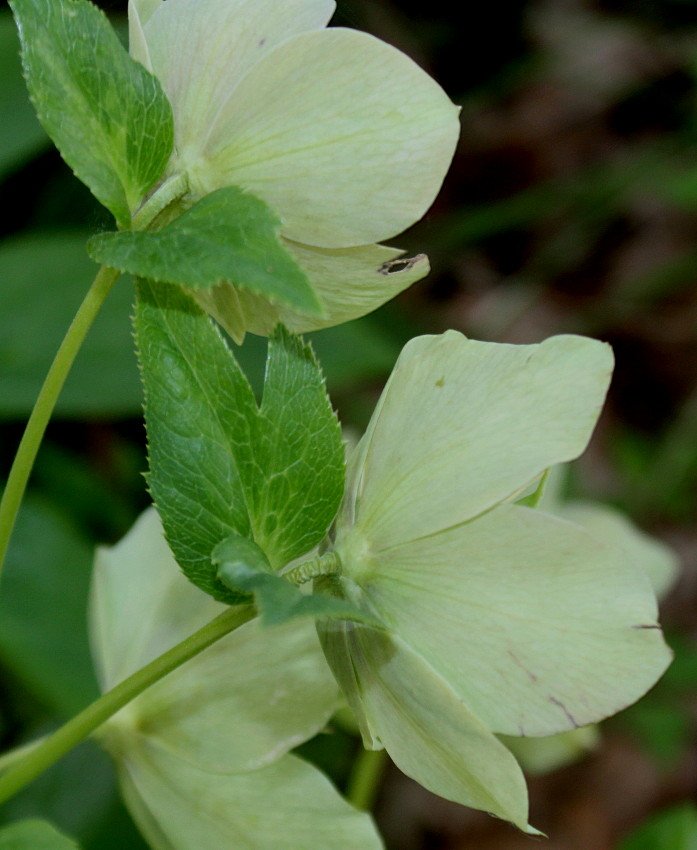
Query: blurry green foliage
column 43, row 639
column 22, row 137
column 675, row 829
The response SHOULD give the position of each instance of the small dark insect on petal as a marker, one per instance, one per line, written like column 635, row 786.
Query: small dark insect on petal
column 402, row 264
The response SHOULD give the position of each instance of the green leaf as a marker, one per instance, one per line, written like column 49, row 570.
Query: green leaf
column 675, row 829
column 242, row 569
column 21, row 136
column 227, row 236
column 300, row 451
column 107, row 115
column 44, row 278
column 43, row 638
column 34, row 835
column 218, row 463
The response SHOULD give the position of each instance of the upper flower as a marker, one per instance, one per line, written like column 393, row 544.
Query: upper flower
column 501, row 618
column 341, row 134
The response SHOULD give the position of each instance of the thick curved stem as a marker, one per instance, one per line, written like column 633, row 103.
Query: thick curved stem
column 46, row 401
column 365, row 778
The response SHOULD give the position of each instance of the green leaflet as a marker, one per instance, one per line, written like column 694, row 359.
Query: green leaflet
column 226, row 236
column 219, row 463
column 243, row 571
column 107, row 115
column 34, row 835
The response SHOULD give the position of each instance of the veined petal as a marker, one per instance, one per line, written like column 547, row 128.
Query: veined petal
column 350, row 283
column 240, row 704
column 426, row 728
column 343, row 135
column 285, row 806
column 244, row 702
column 138, row 581
column 658, row 560
column 536, row 625
column 139, row 13
column 201, row 49
column 463, row 425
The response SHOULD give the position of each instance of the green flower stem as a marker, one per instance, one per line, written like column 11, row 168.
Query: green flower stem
column 85, row 723
column 46, row 401
column 323, row 565
column 12, row 756
column 364, row 781
column 171, row 190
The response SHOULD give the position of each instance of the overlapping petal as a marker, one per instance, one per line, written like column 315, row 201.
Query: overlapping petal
column 341, row 134
column 429, row 732
column 476, row 422
column 240, row 704
column 537, row 626
column 657, row 560
column 285, row 806
column 203, row 754
column 350, row 282
column 201, row 49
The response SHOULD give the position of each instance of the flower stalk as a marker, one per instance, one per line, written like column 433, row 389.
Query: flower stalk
column 46, row 402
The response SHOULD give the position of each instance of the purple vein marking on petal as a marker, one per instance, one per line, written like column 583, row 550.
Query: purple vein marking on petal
column 566, row 711
column 533, row 677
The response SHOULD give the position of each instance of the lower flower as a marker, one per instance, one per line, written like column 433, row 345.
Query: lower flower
column 203, row 755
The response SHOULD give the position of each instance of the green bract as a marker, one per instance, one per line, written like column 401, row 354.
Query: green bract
column 108, row 117
column 221, row 464
column 502, row 618
column 203, row 755
column 343, row 136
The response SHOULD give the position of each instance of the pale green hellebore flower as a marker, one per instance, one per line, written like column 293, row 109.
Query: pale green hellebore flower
column 344, row 137
column 203, row 754
column 541, row 755
column 501, row 618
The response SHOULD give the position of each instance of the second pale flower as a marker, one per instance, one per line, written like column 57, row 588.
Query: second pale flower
column 344, row 136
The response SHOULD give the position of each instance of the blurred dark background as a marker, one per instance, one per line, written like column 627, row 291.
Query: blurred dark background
column 571, row 207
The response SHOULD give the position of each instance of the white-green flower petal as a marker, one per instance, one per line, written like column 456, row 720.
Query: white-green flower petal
column 286, row 806
column 138, row 582
column 463, row 425
column 244, row 702
column 240, row 704
column 350, row 283
column 139, row 13
column 343, row 135
column 201, row 49
column 658, row 560
column 425, row 727
column 540, row 755
column 536, row 625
